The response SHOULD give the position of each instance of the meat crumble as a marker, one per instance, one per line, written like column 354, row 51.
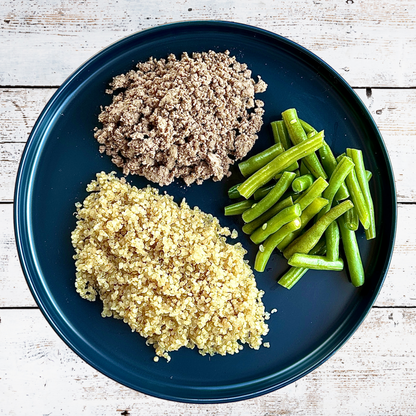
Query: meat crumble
column 189, row 118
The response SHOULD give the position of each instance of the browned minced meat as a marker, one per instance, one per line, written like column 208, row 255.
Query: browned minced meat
column 189, row 118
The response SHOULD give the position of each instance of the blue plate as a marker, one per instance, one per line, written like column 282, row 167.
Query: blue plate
column 61, row 156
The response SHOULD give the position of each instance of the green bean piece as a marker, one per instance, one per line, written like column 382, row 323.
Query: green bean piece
column 305, row 242
column 352, row 254
column 330, row 163
column 302, row 183
column 262, row 192
column 270, row 199
column 307, row 127
column 312, row 192
column 279, row 164
column 267, row 248
column 369, row 175
column 307, row 214
column 279, row 175
column 239, row 207
column 275, row 131
column 293, row 167
column 256, row 162
column 358, row 199
column 351, row 219
column 293, row 275
column 253, row 225
column 332, row 238
column 315, row 262
column 357, row 157
column 297, row 135
column 303, row 169
column 283, row 134
column 275, row 223
column 342, row 170
column 233, row 192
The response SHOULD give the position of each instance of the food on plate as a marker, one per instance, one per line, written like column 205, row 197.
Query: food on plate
column 331, row 193
column 187, row 118
column 166, row 270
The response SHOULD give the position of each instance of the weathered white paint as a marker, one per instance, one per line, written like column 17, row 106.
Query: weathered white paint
column 373, row 374
column 371, row 43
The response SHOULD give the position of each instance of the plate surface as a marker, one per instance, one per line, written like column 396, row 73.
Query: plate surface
column 314, row 318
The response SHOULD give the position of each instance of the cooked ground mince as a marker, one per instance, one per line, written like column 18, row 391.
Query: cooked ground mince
column 189, row 118
column 166, row 270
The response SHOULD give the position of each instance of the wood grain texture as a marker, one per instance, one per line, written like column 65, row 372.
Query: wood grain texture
column 399, row 288
column 371, row 43
column 371, row 375
column 394, row 111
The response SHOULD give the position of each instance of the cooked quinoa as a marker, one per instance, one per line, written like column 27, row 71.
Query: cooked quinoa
column 187, row 118
column 166, row 270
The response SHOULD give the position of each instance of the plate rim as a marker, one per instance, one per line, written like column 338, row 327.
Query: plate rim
column 20, row 210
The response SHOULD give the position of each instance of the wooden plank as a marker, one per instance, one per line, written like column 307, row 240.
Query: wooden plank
column 19, row 109
column 393, row 110
column 373, row 374
column 370, row 43
column 399, row 288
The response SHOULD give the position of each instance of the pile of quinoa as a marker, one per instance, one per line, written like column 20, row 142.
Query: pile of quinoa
column 187, row 118
column 166, row 270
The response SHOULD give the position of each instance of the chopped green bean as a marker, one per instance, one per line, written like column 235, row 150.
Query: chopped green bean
column 293, row 275
column 239, row 207
column 358, row 198
column 341, row 171
column 279, row 175
column 256, row 162
column 352, row 254
column 303, row 169
column 351, row 219
column 332, row 241
column 357, row 157
column 302, row 183
column 271, row 198
column 305, row 242
column 330, row 163
column 275, row 131
column 315, row 262
column 283, row 134
column 279, row 164
column 307, row 214
column 272, row 241
column 262, row 192
column 297, row 135
column 275, row 223
column 312, row 192
column 307, row 127
column 258, row 222
column 233, row 192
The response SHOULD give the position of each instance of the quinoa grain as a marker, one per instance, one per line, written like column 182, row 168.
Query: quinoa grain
column 165, row 270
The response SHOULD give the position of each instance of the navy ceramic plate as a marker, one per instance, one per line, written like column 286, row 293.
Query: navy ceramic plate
column 314, row 318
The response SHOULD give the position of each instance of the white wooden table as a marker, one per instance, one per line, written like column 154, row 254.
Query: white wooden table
column 371, row 43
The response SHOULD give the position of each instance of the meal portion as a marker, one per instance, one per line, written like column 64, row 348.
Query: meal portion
column 166, row 270
column 289, row 188
column 189, row 118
